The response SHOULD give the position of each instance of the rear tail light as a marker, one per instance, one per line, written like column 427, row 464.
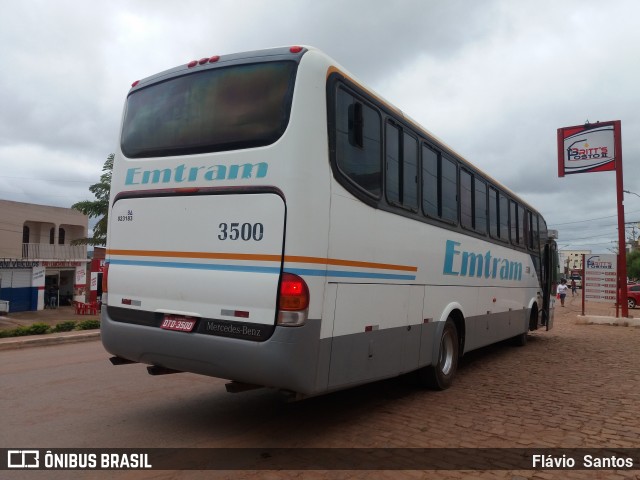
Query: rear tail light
column 293, row 301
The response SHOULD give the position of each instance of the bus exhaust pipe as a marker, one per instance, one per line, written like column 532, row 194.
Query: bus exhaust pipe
column 158, row 370
column 120, row 361
column 238, row 387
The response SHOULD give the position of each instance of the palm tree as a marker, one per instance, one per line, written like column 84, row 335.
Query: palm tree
column 97, row 208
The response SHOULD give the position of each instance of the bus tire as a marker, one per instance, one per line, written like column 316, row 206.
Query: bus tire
column 520, row 340
column 440, row 376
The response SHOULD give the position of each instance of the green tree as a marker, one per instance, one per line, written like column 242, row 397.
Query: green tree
column 98, row 208
column 633, row 264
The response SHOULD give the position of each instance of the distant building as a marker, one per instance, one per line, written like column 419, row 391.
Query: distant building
column 36, row 254
column 571, row 260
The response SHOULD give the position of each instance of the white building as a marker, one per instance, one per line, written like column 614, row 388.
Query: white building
column 571, row 260
column 35, row 254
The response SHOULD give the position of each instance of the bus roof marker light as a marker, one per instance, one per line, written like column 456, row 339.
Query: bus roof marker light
column 214, row 59
column 135, row 83
column 295, row 49
column 203, row 61
column 192, row 63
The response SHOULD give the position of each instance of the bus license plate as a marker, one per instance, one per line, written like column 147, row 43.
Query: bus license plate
column 178, row 323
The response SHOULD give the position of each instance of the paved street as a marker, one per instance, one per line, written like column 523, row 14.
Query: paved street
column 577, row 386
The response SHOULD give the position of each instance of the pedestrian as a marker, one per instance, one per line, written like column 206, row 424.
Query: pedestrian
column 562, row 290
column 573, row 287
column 53, row 296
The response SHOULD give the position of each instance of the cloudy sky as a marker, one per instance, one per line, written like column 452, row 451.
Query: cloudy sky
column 494, row 79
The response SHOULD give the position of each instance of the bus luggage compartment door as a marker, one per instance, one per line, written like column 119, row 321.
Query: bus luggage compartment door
column 214, row 256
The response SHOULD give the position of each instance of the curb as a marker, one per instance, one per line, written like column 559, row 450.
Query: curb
column 618, row 322
column 13, row 343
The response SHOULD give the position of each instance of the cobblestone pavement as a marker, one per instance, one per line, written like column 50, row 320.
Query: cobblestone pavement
column 576, row 386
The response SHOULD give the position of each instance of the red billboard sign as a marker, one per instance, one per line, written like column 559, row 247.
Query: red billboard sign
column 593, row 147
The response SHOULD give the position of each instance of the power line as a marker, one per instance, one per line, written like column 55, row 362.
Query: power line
column 588, row 220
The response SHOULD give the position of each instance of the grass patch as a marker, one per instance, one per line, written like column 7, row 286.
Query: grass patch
column 65, row 326
column 88, row 325
column 42, row 328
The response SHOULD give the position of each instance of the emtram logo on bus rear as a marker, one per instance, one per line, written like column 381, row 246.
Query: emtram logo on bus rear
column 182, row 173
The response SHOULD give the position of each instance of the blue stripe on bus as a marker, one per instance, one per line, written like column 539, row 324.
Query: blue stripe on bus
column 272, row 270
column 343, row 274
column 198, row 266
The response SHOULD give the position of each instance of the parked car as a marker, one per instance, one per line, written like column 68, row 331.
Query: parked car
column 633, row 295
column 577, row 278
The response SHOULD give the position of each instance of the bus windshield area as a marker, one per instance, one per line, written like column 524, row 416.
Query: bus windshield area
column 228, row 108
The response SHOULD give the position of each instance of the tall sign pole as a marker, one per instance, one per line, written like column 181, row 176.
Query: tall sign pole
column 597, row 147
column 622, row 248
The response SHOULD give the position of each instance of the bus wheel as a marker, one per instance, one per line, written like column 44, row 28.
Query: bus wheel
column 440, row 376
column 520, row 340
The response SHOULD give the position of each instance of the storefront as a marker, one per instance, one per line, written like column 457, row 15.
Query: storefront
column 95, row 275
column 27, row 285
column 17, row 284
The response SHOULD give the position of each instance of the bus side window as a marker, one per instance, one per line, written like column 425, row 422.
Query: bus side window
column 522, row 227
column 466, row 199
column 393, row 164
column 356, row 125
column 410, row 172
column 439, row 185
column 473, row 202
column 449, row 185
column 534, row 232
column 480, row 205
column 503, row 206
column 430, row 182
column 513, row 222
column 358, row 142
column 494, row 219
column 401, row 155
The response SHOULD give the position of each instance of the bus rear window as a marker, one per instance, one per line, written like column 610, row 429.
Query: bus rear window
column 219, row 109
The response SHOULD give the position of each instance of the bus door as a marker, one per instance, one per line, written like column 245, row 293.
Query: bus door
column 549, row 268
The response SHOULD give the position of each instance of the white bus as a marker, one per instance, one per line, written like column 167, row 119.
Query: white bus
column 276, row 223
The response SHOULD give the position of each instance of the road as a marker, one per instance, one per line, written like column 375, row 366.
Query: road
column 577, row 386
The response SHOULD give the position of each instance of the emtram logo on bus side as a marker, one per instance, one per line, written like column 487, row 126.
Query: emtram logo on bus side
column 462, row 263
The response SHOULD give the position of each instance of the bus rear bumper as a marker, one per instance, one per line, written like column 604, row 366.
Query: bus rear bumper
column 288, row 360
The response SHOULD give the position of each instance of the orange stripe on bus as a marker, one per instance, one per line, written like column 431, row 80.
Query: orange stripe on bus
column 348, row 263
column 208, row 255
column 260, row 258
